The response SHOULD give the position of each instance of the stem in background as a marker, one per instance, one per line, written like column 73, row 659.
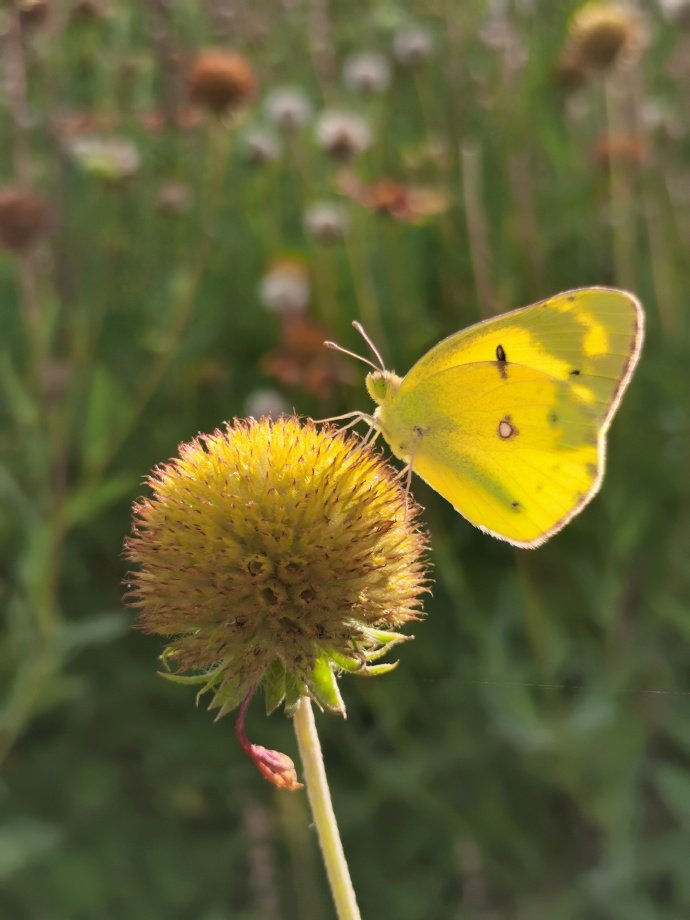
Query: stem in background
column 367, row 302
column 528, row 238
column 477, row 226
column 622, row 213
column 323, row 814
column 183, row 304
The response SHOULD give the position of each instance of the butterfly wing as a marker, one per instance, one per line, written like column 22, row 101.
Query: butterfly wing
column 590, row 338
column 507, row 420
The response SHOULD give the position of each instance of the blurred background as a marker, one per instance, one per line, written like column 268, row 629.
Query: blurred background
column 192, row 197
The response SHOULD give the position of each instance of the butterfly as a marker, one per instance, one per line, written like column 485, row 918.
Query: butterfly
column 507, row 419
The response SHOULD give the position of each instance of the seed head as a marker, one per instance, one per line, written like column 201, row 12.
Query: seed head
column 221, row 81
column 412, row 45
column 326, row 221
column 288, row 108
column 274, row 553
column 285, row 287
column 368, row 73
column 603, row 35
column 25, row 218
column 260, row 146
column 342, row 135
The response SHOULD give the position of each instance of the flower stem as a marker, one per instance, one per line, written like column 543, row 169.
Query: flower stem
column 323, row 814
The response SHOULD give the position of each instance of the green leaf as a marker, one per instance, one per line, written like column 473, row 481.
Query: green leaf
column 294, row 690
column 106, row 411
column 16, row 397
column 324, row 689
column 95, row 630
column 92, row 499
column 22, row 841
column 673, row 785
column 377, row 669
column 274, row 686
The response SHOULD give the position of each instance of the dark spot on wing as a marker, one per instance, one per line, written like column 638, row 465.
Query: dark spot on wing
column 592, row 469
column 501, row 361
column 574, row 373
column 571, row 299
column 553, row 418
column 516, row 506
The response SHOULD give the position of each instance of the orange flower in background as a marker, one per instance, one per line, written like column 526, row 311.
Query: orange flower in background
column 185, row 119
column 222, row 81
column 412, row 204
column 301, row 361
column 621, row 148
column 81, row 122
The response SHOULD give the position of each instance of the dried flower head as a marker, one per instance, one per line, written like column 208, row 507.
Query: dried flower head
column 619, row 148
column 412, row 45
column 676, row 11
column 288, row 108
column 25, row 218
column 275, row 554
column 301, row 360
column 342, row 135
column 412, row 204
column 173, row 198
column 285, row 287
column 265, row 402
column 221, row 81
column 326, row 221
column 34, row 12
column 603, row 35
column 260, row 146
column 367, row 72
column 111, row 159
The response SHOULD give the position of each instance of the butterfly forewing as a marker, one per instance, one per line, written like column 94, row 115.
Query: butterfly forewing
column 589, row 337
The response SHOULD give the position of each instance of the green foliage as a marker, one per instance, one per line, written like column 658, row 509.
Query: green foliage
column 530, row 757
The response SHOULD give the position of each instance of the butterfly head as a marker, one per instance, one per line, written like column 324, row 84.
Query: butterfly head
column 382, row 386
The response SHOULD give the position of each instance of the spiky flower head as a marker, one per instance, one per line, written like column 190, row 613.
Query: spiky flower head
column 603, row 35
column 221, row 81
column 275, row 554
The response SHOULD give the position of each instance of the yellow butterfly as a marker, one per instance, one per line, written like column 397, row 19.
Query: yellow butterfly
column 507, row 419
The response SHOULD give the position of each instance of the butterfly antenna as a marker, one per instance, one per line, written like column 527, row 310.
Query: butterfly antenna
column 374, row 349
column 343, row 351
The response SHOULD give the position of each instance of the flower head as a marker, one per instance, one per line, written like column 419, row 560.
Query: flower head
column 368, row 73
column 603, row 35
column 288, row 108
column 25, row 217
column 326, row 221
column 111, row 159
column 412, row 45
column 261, row 145
column 285, row 287
column 342, row 134
column 221, row 81
column 300, row 360
column 412, row 204
column 275, row 554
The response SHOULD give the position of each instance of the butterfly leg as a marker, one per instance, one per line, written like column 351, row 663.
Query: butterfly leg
column 355, row 417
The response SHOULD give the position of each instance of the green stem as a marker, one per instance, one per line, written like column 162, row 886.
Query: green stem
column 323, row 814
